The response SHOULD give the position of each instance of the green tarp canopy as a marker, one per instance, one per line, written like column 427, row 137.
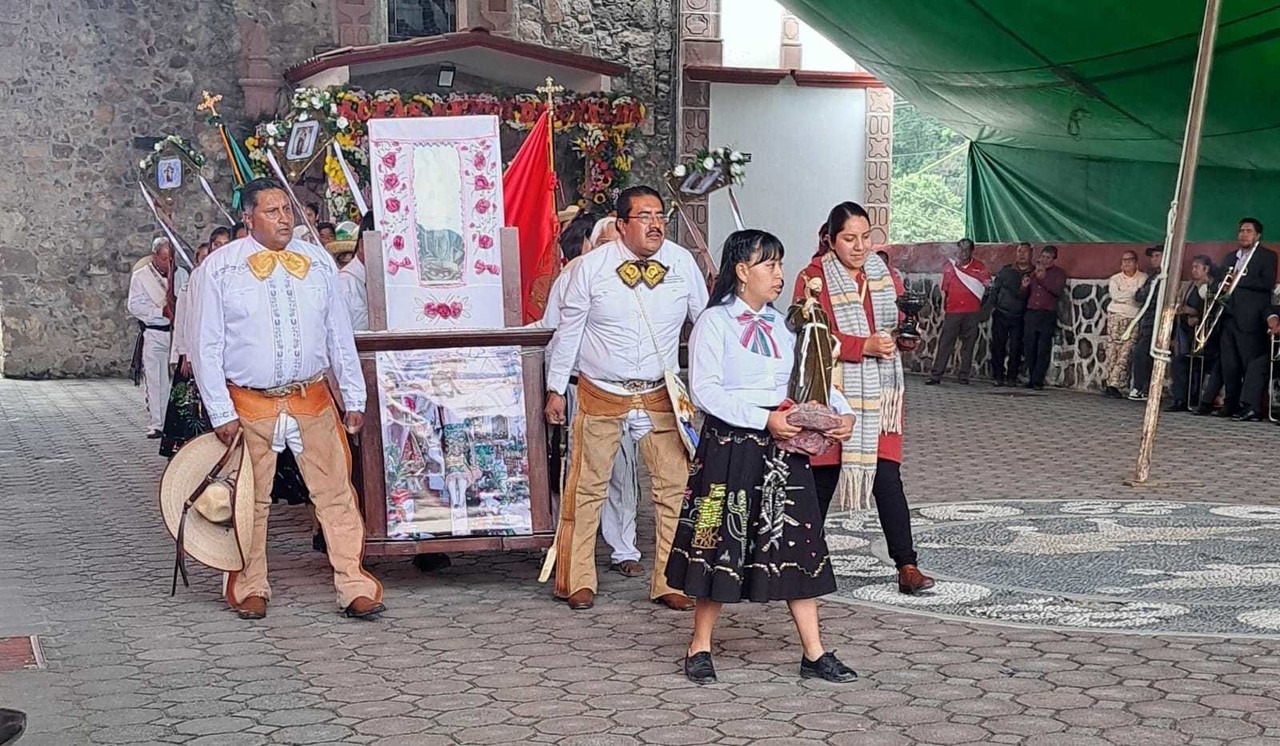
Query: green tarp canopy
column 1076, row 110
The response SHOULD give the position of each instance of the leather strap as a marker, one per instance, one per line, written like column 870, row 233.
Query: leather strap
column 179, row 560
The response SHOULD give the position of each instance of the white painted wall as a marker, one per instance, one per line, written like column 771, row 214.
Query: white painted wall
column 820, row 54
column 751, row 31
column 808, row 148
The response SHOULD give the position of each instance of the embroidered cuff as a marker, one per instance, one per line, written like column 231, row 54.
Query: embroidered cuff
column 219, row 416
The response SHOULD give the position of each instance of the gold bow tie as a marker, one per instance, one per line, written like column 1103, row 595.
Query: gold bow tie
column 648, row 271
column 263, row 263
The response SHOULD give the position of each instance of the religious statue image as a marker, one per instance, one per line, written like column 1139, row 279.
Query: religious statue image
column 812, row 372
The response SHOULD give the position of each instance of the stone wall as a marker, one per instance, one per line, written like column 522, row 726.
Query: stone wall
column 640, row 34
column 81, row 81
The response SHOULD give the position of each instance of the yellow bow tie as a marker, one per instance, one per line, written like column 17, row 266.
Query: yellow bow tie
column 648, row 271
column 263, row 263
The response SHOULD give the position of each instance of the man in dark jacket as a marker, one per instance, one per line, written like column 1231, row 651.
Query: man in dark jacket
column 1008, row 303
column 1258, row 375
column 1243, row 324
column 1141, row 361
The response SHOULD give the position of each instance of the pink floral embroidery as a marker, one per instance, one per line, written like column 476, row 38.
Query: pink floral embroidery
column 398, row 243
column 394, row 266
column 390, row 181
column 479, row 160
column 482, row 183
column 389, row 160
column 482, row 206
column 393, row 205
column 485, row 242
column 482, row 267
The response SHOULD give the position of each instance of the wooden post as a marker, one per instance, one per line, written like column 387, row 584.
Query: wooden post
column 512, row 298
column 374, row 282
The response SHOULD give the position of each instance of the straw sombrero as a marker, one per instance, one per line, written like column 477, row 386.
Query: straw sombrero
column 144, row 261
column 206, row 497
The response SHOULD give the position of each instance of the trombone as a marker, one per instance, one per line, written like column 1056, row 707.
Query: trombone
column 1214, row 310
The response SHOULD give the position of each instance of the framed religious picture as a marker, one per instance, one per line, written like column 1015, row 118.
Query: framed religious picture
column 169, row 173
column 437, row 201
column 302, row 140
column 699, row 183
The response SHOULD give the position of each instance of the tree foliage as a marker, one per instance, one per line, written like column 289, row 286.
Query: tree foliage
column 928, row 189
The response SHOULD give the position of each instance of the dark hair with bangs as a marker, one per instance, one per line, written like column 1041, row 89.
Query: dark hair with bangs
column 750, row 247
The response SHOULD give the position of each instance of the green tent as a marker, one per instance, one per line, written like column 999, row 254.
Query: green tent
column 1076, row 110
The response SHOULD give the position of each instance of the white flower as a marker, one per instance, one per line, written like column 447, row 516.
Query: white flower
column 736, row 169
column 333, row 108
column 303, row 117
column 316, row 102
column 158, row 147
column 720, row 152
column 271, row 129
column 735, row 157
column 142, row 163
column 679, row 171
column 708, row 163
column 343, row 123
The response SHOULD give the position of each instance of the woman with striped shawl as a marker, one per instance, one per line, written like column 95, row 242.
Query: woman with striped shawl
column 859, row 294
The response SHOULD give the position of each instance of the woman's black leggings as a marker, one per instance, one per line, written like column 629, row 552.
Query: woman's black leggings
column 891, row 504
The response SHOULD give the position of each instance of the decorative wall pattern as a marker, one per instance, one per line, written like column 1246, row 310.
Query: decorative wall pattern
column 699, row 45
column 879, row 124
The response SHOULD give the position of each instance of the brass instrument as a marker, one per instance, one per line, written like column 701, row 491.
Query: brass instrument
column 1214, row 309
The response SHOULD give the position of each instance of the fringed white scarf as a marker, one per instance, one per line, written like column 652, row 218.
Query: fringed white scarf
column 874, row 387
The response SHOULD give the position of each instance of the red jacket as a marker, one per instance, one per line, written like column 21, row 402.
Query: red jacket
column 959, row 299
column 850, row 353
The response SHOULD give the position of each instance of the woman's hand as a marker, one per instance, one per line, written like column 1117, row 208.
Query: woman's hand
column 780, row 428
column 880, row 344
column 844, row 430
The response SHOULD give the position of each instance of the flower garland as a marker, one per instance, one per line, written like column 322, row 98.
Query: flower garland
column 177, row 141
column 729, row 164
column 600, row 125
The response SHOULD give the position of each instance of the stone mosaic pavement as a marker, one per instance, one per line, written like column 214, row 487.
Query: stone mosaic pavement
column 479, row 653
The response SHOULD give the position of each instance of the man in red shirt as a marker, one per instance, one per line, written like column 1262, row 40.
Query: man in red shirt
column 964, row 281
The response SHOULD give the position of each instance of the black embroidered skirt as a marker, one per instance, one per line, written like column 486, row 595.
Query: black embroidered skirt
column 750, row 527
column 184, row 418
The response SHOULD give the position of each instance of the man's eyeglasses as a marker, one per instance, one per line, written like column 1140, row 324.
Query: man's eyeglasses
column 648, row 218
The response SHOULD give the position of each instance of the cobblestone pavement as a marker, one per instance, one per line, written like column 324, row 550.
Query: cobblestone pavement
column 480, row 654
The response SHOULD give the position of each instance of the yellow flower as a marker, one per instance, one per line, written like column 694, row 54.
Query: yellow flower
column 251, row 143
column 345, row 139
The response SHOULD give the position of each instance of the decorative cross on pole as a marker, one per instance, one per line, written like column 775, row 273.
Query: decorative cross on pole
column 550, row 89
column 209, row 104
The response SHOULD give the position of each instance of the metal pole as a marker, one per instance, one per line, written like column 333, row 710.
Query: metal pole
column 1176, row 241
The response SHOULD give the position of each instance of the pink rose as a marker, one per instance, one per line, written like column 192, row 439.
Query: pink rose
column 486, row 242
column 455, row 308
column 482, row 206
column 479, row 160
column 393, row 205
column 390, row 181
column 429, row 310
column 389, row 160
column 483, row 183
column 398, row 243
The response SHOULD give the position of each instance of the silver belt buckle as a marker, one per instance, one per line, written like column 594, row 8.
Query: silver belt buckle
column 636, row 387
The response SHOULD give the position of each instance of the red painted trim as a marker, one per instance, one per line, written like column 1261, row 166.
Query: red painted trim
column 740, row 75
column 347, row 56
column 774, row 76
column 816, row 79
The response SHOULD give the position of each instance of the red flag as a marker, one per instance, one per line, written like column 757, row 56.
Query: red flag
column 528, row 194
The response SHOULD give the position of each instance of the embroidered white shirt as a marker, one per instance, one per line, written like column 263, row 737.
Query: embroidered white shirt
column 729, row 381
column 267, row 333
column 601, row 329
column 351, row 279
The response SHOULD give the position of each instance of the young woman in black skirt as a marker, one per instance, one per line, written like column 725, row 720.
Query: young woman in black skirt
column 750, row 528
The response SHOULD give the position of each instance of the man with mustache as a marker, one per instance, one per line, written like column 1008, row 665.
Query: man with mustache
column 620, row 322
column 271, row 321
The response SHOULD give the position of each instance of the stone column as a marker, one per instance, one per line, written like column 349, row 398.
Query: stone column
column 258, row 80
column 879, row 130
column 792, row 52
column 700, row 44
column 358, row 23
column 491, row 15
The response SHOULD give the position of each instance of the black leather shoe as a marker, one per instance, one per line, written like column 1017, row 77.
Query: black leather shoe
column 1224, row 412
column 699, row 669
column 1029, row 386
column 12, row 724
column 828, row 668
column 1176, row 406
column 1204, row 410
column 933, row 382
column 998, row 383
column 1248, row 416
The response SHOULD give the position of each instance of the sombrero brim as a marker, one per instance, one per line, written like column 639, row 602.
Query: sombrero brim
column 205, row 542
column 144, row 261
column 337, row 248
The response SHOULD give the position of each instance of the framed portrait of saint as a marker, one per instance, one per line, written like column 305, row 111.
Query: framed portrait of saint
column 699, row 183
column 169, row 173
column 302, row 140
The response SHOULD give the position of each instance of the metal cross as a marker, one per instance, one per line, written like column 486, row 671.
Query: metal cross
column 210, row 103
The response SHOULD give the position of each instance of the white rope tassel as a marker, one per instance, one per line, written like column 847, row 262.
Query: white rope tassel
column 208, row 190
column 293, row 198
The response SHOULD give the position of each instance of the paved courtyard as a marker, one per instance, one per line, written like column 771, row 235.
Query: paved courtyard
column 479, row 653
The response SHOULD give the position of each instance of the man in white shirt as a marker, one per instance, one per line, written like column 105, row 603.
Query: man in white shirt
column 351, row 281
column 271, row 322
column 148, row 291
column 624, row 307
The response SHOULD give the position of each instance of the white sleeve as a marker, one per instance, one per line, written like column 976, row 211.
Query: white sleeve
column 208, row 340
column 835, row 397
column 698, row 296
column 706, row 369
column 177, row 341
column 140, row 305
column 352, row 294
column 568, row 338
column 341, row 342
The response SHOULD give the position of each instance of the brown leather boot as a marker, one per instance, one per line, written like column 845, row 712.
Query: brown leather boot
column 676, row 601
column 911, row 581
column 363, row 608
column 253, row 607
column 582, row 599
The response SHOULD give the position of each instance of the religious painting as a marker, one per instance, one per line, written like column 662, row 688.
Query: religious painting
column 302, row 140
column 699, row 183
column 455, row 446
column 437, row 202
column 169, row 173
